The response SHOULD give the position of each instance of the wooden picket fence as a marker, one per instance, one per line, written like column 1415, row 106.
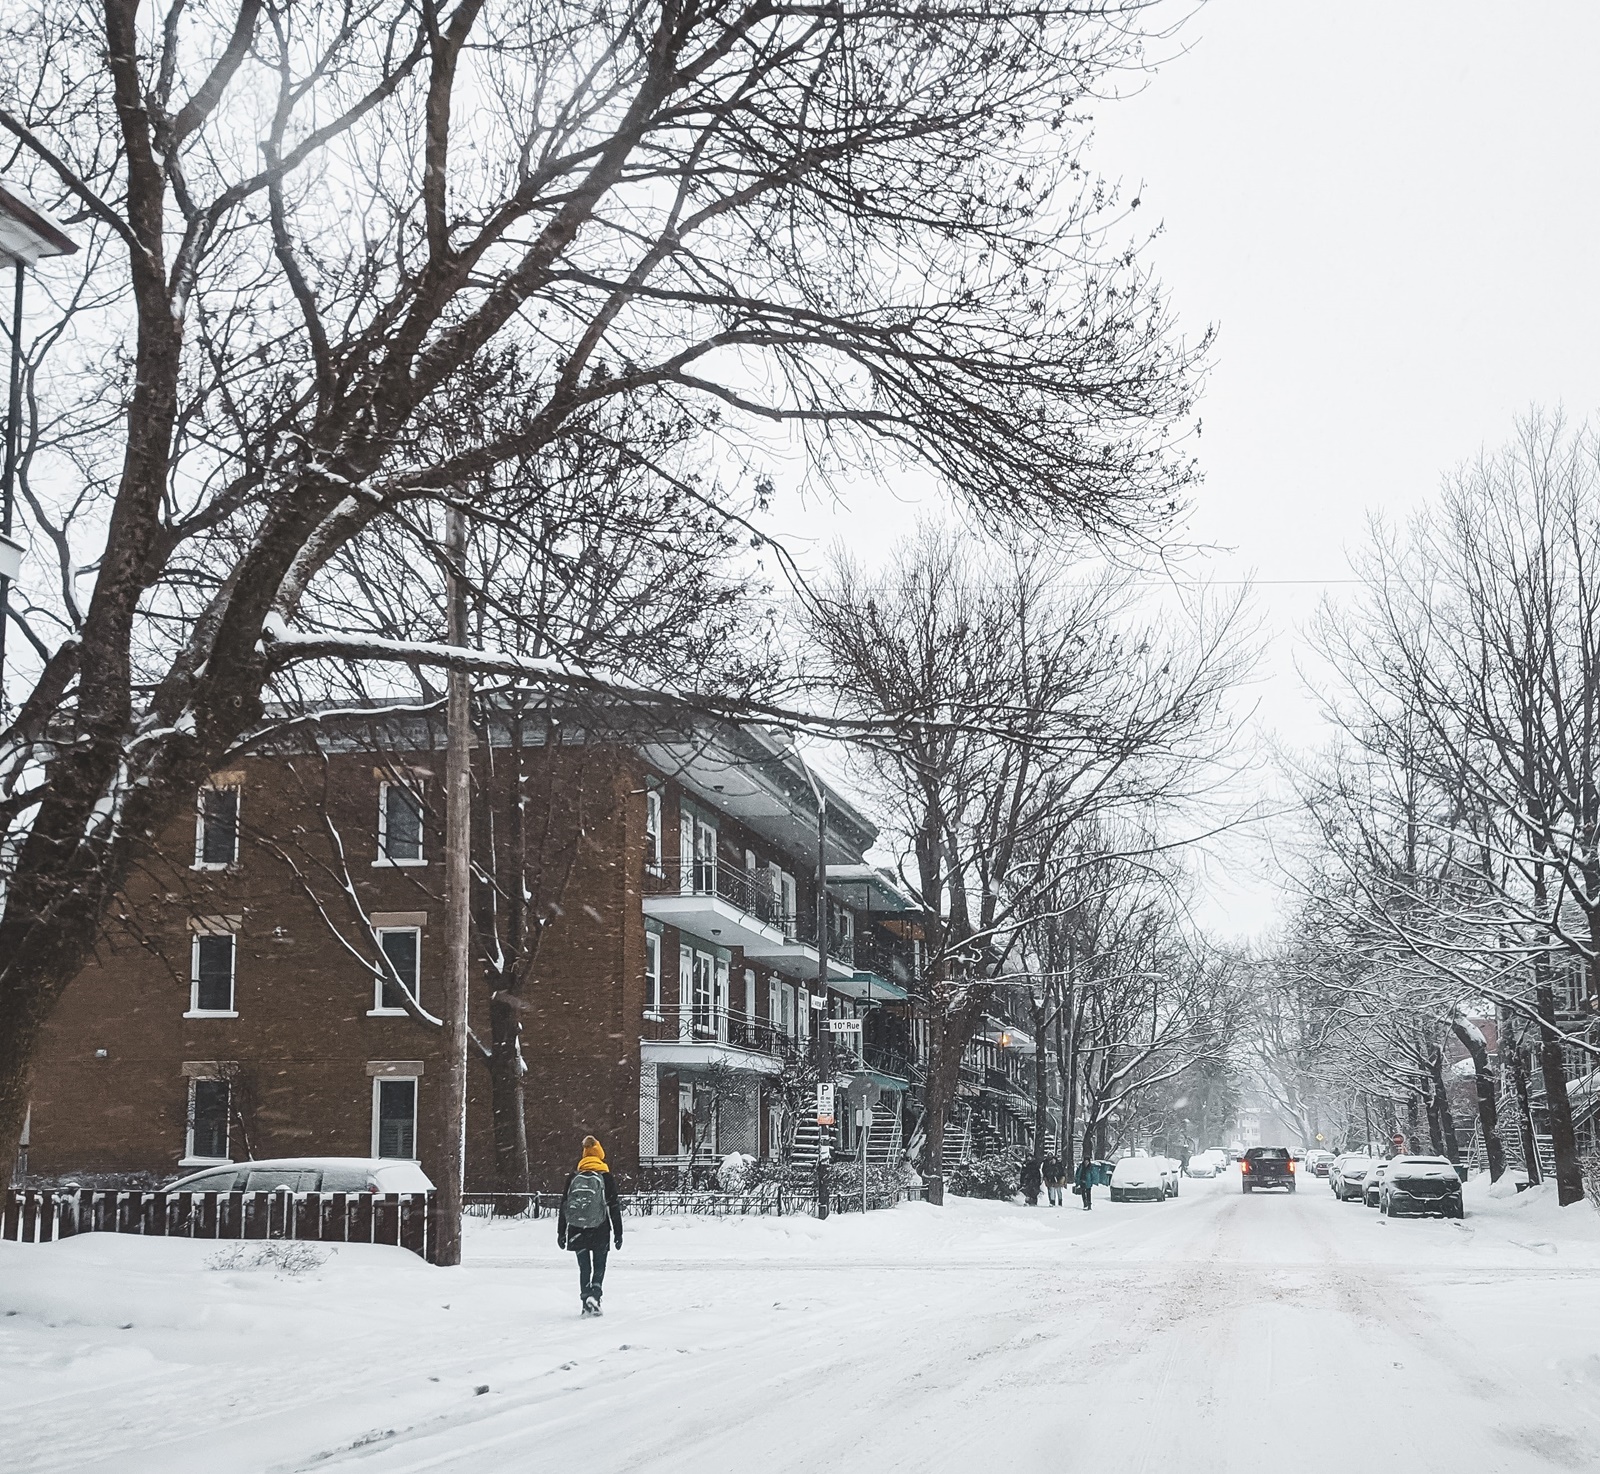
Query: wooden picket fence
column 403, row 1220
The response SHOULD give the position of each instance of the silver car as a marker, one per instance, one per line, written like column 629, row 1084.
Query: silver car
column 1348, row 1175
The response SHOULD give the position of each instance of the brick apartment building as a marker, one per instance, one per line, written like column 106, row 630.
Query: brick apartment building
column 243, row 1002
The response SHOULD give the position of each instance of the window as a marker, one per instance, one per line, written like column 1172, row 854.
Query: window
column 216, row 838
column 788, row 900
column 399, row 825
column 394, row 1117
column 208, row 1121
column 705, row 858
column 652, row 974
column 402, row 946
column 652, row 830
column 211, row 975
column 704, row 985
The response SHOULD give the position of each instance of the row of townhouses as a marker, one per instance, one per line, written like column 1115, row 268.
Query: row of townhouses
column 239, row 1008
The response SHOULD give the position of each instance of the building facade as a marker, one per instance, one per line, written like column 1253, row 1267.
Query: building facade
column 269, row 985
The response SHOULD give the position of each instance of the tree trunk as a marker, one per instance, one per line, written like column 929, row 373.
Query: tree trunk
column 1563, row 1140
column 1450, row 1146
column 1518, row 1061
column 1483, row 1083
column 1411, row 1119
column 507, row 1073
column 936, row 1100
column 1435, row 1132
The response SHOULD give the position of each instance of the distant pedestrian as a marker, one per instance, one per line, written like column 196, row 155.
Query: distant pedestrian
column 1031, row 1176
column 1083, row 1184
column 590, row 1214
column 1054, row 1179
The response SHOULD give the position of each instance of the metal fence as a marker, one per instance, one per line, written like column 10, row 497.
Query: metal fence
column 403, row 1220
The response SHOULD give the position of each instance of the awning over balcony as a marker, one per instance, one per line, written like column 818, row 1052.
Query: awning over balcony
column 867, row 889
column 870, row 987
column 718, row 920
column 794, row 958
column 691, row 1054
column 1008, row 1036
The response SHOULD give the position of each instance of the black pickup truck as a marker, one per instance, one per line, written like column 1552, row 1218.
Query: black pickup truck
column 1267, row 1166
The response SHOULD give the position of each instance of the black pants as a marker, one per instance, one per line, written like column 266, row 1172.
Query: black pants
column 1087, row 1193
column 592, row 1270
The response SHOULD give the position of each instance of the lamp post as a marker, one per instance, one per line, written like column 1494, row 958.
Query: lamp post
column 27, row 236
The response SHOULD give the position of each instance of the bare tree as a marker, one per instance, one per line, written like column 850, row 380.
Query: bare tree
column 1022, row 706
column 1475, row 664
column 345, row 260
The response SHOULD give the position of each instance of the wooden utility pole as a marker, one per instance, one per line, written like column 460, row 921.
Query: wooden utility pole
column 458, row 882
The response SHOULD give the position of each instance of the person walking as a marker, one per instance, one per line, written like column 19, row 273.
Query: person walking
column 590, row 1214
column 1030, row 1182
column 1083, row 1184
column 1053, row 1174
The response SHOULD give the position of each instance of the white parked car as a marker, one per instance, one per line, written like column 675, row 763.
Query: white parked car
column 1142, row 1180
column 309, row 1175
column 1206, row 1164
column 1373, row 1186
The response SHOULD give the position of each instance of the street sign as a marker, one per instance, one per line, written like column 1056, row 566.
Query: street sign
column 824, row 1105
column 844, row 1026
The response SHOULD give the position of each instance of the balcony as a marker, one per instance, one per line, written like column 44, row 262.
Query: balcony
column 738, row 908
column 696, row 1037
column 885, row 970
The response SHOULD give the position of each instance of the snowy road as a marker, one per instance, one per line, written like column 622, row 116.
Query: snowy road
column 1153, row 1336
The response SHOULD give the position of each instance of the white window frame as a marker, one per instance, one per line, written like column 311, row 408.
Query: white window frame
column 195, row 1010
column 789, row 900
column 652, row 976
column 378, row 1082
column 704, row 1001
column 652, row 831
column 385, row 860
column 685, row 991
column 378, row 1010
column 200, row 861
column 189, row 1158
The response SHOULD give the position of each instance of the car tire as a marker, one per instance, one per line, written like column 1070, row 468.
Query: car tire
column 1247, row 1187
column 1291, row 1187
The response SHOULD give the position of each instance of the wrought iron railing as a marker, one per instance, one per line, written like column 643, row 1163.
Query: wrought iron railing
column 709, row 1025
column 749, row 891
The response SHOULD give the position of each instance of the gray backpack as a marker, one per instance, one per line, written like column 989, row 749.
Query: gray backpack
column 586, row 1201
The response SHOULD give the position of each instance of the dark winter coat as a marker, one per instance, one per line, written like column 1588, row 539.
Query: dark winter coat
column 1030, row 1177
column 1054, row 1171
column 590, row 1238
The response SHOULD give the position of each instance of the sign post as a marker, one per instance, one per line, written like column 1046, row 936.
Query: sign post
column 864, row 1093
column 824, row 1118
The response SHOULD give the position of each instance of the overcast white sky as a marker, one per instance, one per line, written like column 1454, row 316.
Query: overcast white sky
column 1390, row 213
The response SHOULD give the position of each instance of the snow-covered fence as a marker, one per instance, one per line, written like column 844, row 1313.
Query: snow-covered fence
column 400, row 1219
column 769, row 1200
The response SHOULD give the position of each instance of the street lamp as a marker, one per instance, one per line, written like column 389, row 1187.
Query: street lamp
column 27, row 236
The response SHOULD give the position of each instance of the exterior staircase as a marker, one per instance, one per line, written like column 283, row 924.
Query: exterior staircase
column 1478, row 1157
column 807, row 1137
column 884, row 1146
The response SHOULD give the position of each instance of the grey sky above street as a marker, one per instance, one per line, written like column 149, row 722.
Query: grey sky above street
column 1389, row 214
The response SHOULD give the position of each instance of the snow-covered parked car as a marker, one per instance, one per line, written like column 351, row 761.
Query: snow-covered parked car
column 1348, row 1175
column 1318, row 1163
column 309, row 1175
column 1374, row 1184
column 1421, row 1185
column 1142, row 1180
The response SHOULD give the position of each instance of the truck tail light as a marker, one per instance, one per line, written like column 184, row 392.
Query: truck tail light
column 1244, row 1166
column 1291, row 1164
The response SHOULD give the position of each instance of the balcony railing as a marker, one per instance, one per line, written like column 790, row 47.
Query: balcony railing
column 891, row 960
column 749, row 891
column 707, row 1025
